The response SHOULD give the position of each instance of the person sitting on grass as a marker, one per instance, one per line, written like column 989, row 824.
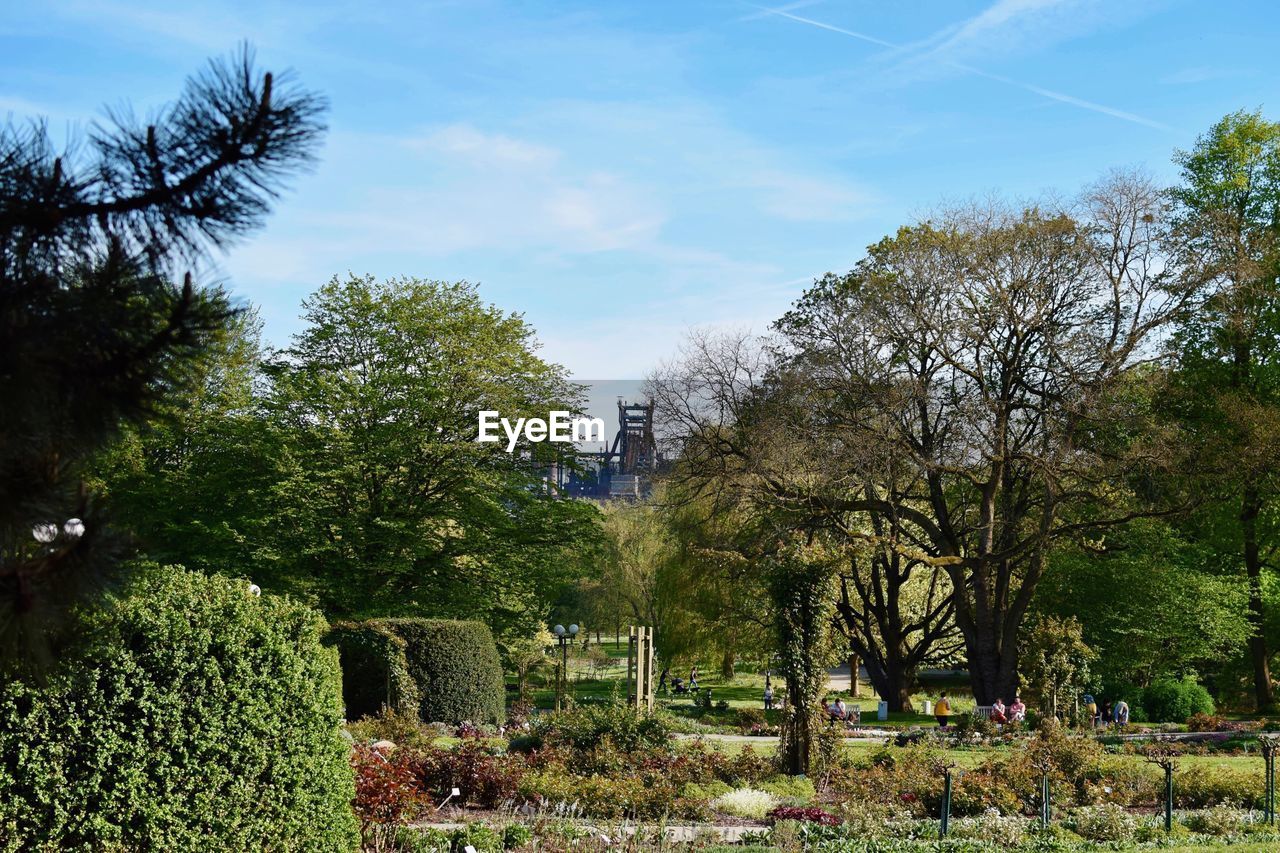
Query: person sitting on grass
column 1017, row 711
column 942, row 711
column 999, row 714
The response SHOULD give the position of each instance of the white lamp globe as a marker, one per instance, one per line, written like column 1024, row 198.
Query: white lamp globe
column 558, row 630
column 255, row 590
column 45, row 532
column 73, row 528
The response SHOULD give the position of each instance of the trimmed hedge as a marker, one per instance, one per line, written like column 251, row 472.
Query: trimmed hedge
column 195, row 716
column 1170, row 701
column 454, row 667
column 457, row 669
column 375, row 669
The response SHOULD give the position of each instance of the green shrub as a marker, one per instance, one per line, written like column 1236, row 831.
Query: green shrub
column 479, row 836
column 375, row 670
column 795, row 790
column 450, row 669
column 1170, row 701
column 1198, row 786
column 516, row 835
column 194, row 716
column 584, row 727
column 705, row 791
column 1107, row 822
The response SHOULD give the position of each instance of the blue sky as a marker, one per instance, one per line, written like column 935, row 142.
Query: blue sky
column 620, row 172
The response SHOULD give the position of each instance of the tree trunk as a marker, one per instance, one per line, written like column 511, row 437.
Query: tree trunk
column 727, row 669
column 1251, row 506
column 854, row 663
column 892, row 683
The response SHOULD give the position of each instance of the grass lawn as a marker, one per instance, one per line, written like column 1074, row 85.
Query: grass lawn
column 600, row 680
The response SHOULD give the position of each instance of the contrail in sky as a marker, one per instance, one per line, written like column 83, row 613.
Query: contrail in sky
column 1027, row 87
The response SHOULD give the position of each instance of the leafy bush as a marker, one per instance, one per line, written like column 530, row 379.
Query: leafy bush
column 1170, row 701
column 867, row 819
column 483, row 777
column 746, row 802
column 399, row 728
column 479, row 836
column 196, row 716
column 456, row 668
column 388, row 791
column 1219, row 820
column 992, row 827
column 1107, row 822
column 804, row 815
column 796, row 790
column 1199, row 786
column 705, row 791
column 1199, row 722
column 585, row 726
column 599, row 796
column 375, row 670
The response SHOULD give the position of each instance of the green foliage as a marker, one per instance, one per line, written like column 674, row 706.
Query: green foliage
column 801, row 587
column 100, row 319
column 385, row 502
column 1152, row 601
column 456, row 668
column 375, row 669
column 794, row 790
column 346, row 471
column 586, row 726
column 1173, row 701
column 196, row 716
column 1054, row 661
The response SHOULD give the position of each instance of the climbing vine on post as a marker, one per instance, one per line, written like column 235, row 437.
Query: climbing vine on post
column 803, row 593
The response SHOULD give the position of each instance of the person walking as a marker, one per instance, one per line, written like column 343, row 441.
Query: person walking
column 942, row 710
column 693, row 678
column 768, row 697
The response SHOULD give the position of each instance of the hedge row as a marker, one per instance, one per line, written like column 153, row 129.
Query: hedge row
column 375, row 669
column 450, row 668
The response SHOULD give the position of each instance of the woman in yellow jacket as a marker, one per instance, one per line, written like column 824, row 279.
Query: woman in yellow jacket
column 942, row 710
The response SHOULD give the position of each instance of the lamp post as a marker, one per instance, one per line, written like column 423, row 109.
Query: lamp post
column 564, row 638
column 45, row 532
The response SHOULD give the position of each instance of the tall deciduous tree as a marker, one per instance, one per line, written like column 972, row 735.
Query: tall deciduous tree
column 386, row 502
column 978, row 357
column 1228, row 229
column 100, row 317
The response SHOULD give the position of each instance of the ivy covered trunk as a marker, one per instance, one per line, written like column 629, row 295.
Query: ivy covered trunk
column 803, row 597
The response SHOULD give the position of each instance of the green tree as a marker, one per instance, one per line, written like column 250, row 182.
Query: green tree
column 192, row 483
column 385, row 502
column 1153, row 604
column 968, row 373
column 95, row 328
column 1228, row 226
column 1055, row 662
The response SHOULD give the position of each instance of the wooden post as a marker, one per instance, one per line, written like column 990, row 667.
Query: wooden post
column 632, row 668
column 644, row 693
